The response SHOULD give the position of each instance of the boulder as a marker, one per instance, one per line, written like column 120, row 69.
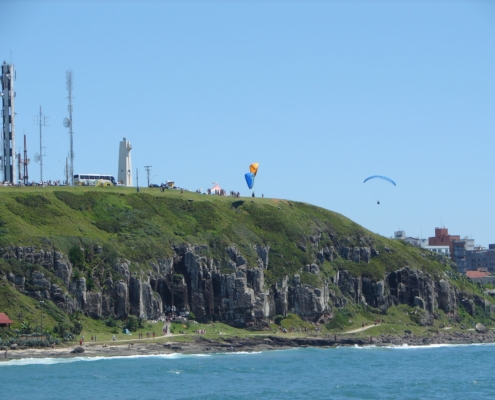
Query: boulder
column 78, row 350
column 480, row 328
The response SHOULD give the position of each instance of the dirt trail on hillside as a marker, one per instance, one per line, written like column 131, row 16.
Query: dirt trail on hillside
column 362, row 329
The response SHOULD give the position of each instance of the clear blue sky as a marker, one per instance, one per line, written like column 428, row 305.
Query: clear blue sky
column 321, row 93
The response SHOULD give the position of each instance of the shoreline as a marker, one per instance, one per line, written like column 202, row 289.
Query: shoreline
column 233, row 344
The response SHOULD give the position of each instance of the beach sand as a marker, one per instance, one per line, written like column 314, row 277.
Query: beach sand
column 198, row 344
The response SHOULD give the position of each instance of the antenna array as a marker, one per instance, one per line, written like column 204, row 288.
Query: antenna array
column 41, row 121
column 69, row 125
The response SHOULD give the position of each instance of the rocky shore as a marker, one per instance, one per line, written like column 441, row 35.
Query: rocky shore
column 202, row 345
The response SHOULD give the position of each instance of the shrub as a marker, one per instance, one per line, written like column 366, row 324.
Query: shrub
column 76, row 257
column 278, row 319
column 191, row 316
column 132, row 323
column 77, row 325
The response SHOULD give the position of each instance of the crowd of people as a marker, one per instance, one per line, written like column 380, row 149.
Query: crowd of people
column 40, row 183
column 221, row 192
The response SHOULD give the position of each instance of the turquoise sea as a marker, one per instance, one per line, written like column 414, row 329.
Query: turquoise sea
column 434, row 372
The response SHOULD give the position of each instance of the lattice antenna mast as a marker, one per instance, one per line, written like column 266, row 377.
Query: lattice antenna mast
column 68, row 124
column 41, row 121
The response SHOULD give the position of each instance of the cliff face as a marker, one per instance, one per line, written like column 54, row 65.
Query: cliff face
column 235, row 294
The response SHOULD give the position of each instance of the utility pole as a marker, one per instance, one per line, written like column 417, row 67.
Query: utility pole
column 25, row 162
column 137, row 179
column 148, row 169
column 41, row 121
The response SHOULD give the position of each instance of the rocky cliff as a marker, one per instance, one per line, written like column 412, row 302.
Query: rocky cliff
column 236, row 293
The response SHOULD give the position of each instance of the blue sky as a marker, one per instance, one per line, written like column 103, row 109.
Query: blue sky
column 321, row 93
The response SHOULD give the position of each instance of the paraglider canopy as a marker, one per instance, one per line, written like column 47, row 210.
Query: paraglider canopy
column 249, row 179
column 379, row 187
column 380, row 177
column 253, row 168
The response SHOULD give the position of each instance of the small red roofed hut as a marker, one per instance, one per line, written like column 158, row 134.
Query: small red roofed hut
column 5, row 321
column 216, row 189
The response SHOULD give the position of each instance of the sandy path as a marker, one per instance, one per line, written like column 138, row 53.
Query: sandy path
column 362, row 329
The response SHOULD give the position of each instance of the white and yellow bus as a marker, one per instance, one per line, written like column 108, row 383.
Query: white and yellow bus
column 94, row 180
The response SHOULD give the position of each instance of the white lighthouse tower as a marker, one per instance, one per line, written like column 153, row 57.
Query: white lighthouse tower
column 125, row 168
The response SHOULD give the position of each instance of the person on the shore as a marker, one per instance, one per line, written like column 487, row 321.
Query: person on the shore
column 6, row 353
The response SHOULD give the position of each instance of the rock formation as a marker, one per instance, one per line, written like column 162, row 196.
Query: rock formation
column 236, row 294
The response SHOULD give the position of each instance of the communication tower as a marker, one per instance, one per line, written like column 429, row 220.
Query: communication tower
column 23, row 171
column 68, row 124
column 8, row 168
column 38, row 157
column 125, row 171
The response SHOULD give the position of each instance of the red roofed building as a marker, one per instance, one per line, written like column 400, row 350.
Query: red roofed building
column 482, row 276
column 5, row 321
column 477, row 274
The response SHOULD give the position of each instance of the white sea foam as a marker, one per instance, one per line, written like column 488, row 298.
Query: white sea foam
column 49, row 361
column 405, row 346
column 435, row 346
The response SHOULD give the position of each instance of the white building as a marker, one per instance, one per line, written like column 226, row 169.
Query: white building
column 443, row 250
column 416, row 242
column 125, row 167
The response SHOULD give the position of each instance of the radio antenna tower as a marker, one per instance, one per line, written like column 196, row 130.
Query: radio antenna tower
column 7, row 136
column 41, row 121
column 68, row 124
column 23, row 172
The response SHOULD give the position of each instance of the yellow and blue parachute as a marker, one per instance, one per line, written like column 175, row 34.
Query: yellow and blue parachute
column 253, row 170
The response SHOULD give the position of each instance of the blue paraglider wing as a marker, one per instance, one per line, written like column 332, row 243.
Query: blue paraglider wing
column 380, row 177
column 249, row 179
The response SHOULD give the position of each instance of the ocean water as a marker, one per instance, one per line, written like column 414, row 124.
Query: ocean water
column 433, row 372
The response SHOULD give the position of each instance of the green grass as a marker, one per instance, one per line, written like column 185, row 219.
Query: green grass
column 143, row 227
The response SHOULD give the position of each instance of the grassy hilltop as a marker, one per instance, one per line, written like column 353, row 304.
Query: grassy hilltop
column 143, row 226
